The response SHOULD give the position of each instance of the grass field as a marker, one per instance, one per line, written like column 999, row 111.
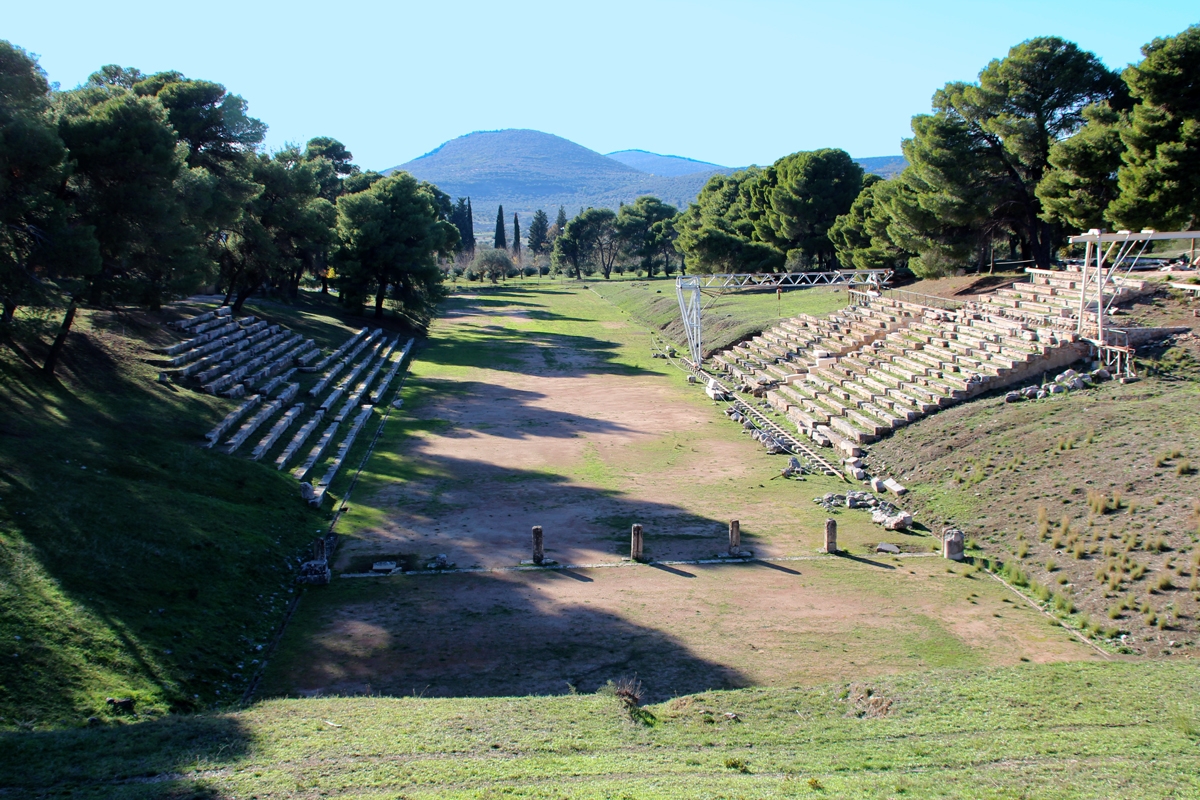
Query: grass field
column 1062, row 731
column 727, row 319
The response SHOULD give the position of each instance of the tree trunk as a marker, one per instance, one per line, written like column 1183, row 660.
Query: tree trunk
column 242, row 297
column 10, row 311
column 60, row 341
column 324, row 284
column 380, row 294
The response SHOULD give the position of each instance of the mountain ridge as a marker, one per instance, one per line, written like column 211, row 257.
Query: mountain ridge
column 526, row 170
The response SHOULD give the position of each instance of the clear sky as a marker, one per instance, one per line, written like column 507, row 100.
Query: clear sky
column 733, row 82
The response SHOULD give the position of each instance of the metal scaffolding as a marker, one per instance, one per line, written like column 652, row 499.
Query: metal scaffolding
column 689, row 288
column 1101, row 267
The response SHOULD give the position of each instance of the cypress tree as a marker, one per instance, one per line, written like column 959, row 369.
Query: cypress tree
column 500, row 242
column 516, row 236
column 470, row 227
column 539, row 232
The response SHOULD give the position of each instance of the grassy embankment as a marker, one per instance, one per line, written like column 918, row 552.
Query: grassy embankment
column 133, row 561
column 1091, row 499
column 1047, row 731
column 727, row 319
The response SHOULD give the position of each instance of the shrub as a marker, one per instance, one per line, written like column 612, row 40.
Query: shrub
column 1184, row 468
column 737, row 763
column 1022, row 550
column 492, row 264
column 1164, row 582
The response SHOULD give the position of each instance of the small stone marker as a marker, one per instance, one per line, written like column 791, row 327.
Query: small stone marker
column 635, row 543
column 831, row 536
column 538, row 553
column 952, row 544
column 886, row 547
column 894, row 487
column 735, row 536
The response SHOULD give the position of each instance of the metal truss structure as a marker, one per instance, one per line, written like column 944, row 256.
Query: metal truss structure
column 1106, row 256
column 689, row 288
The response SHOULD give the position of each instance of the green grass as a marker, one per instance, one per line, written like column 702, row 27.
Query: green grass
column 1053, row 731
column 726, row 320
column 134, row 562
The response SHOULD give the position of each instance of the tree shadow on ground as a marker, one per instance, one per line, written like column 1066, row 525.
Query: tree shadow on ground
column 144, row 759
column 479, row 635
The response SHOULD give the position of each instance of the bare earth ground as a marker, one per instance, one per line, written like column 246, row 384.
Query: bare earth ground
column 544, row 408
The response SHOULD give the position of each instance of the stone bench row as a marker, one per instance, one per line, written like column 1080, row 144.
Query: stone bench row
column 198, row 341
column 276, row 381
column 314, row 455
column 279, row 359
column 251, row 425
column 249, row 355
column 299, row 439
column 356, row 396
column 236, row 344
column 232, row 417
column 316, row 494
column 208, row 316
column 390, row 375
column 281, row 425
column 340, row 351
column 333, row 371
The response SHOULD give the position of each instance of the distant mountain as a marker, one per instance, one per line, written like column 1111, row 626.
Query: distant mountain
column 665, row 165
column 528, row 170
column 883, row 166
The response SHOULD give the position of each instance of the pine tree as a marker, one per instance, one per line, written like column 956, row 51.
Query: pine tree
column 470, row 239
column 500, row 242
column 516, row 237
column 539, row 232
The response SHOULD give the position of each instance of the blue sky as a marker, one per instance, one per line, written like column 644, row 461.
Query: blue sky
column 729, row 82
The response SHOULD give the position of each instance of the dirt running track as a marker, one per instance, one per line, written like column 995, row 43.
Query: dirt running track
column 555, row 424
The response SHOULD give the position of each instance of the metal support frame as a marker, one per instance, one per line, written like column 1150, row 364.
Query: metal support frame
column 688, row 289
column 1101, row 266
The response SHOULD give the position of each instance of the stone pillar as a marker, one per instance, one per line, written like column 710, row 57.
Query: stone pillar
column 319, row 550
column 952, row 544
column 538, row 552
column 831, row 536
column 735, row 537
column 635, row 544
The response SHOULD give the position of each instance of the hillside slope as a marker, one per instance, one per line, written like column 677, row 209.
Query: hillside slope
column 133, row 561
column 664, row 165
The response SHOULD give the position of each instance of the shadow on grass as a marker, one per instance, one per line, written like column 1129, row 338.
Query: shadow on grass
column 142, row 759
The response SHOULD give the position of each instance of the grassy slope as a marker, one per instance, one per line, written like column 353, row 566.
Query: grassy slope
column 998, row 470
column 132, row 561
column 1066, row 730
column 725, row 321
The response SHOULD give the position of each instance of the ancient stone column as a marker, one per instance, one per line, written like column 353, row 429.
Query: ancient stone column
column 735, row 537
column 831, row 536
column 538, row 552
column 952, row 544
column 635, row 544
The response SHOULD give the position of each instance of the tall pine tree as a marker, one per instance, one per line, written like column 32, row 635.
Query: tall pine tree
column 539, row 231
column 500, row 242
column 470, row 241
column 516, row 237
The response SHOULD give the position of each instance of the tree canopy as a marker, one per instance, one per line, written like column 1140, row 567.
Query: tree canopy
column 390, row 236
